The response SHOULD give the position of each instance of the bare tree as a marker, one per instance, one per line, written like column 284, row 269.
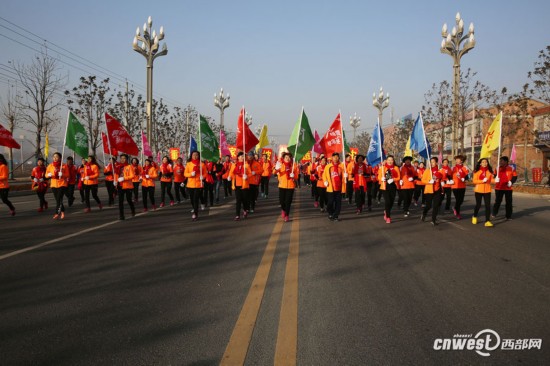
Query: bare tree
column 540, row 77
column 11, row 112
column 89, row 101
column 41, row 86
column 438, row 108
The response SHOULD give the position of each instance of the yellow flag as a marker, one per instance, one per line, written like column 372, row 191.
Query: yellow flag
column 263, row 140
column 491, row 142
column 46, row 147
column 408, row 151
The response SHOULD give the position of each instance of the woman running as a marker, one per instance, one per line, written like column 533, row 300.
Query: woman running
column 91, row 177
column 166, row 172
column 148, row 177
column 287, row 183
column 195, row 172
column 483, row 176
column 239, row 175
column 4, row 185
column 388, row 176
column 58, row 175
column 137, row 178
column 460, row 173
column 38, row 177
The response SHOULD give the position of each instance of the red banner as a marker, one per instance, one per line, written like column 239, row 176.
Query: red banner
column 119, row 138
column 174, row 153
column 114, row 152
column 333, row 141
column 269, row 153
column 246, row 140
column 6, row 139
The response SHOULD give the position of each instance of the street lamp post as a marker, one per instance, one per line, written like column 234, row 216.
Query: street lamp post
column 147, row 44
column 355, row 122
column 248, row 119
column 221, row 102
column 380, row 102
column 451, row 45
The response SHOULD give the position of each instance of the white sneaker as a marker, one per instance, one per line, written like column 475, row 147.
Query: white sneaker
column 202, row 207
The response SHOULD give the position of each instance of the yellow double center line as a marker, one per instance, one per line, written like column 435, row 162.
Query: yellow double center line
column 287, row 338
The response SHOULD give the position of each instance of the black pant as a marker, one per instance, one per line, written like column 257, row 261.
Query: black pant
column 389, row 198
column 375, row 190
column 70, row 194
column 487, row 198
column 82, row 195
column 407, row 198
column 399, row 197
column 58, row 193
column 447, row 194
column 227, row 188
column 349, row 191
column 208, row 192
column 264, row 182
column 179, row 189
column 432, row 200
column 360, row 197
column 42, row 198
column 313, row 188
column 254, row 189
column 93, row 189
column 321, row 196
column 334, row 203
column 148, row 192
column 285, row 199
column 241, row 199
column 111, row 191
column 4, row 197
column 136, row 191
column 128, row 194
column 166, row 187
column 419, row 191
column 459, row 198
column 369, row 193
column 194, row 197
column 499, row 194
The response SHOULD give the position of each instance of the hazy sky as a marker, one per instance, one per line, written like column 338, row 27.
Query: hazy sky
column 276, row 56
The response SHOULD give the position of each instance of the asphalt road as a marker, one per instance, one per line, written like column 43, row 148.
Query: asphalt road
column 158, row 289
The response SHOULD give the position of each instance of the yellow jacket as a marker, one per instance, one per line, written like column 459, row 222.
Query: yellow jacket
column 328, row 177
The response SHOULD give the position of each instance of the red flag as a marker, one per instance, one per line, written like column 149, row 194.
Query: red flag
column 245, row 140
column 6, row 139
column 333, row 141
column 106, row 145
column 120, row 139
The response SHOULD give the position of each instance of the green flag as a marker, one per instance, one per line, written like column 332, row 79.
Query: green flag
column 346, row 146
column 208, row 142
column 76, row 138
column 301, row 140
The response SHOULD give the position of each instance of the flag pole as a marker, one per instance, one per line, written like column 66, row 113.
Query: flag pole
column 65, row 138
column 142, row 146
column 244, row 139
column 426, row 144
column 343, row 146
column 499, row 143
column 297, row 140
column 380, row 146
column 200, row 151
column 103, row 150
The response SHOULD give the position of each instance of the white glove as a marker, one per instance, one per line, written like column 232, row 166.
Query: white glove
column 485, row 180
column 291, row 175
column 147, row 176
column 193, row 173
column 431, row 181
column 411, row 179
column 462, row 179
column 497, row 180
column 326, row 183
column 401, row 182
column 60, row 174
column 345, row 175
column 278, row 165
column 86, row 178
column 390, row 181
column 450, row 182
column 509, row 183
column 383, row 179
column 115, row 183
column 41, row 180
column 253, row 173
column 50, row 175
column 229, row 179
column 121, row 179
column 35, row 180
column 245, row 176
column 182, row 185
column 442, row 184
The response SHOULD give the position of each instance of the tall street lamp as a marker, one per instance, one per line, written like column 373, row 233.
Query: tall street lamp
column 355, row 122
column 222, row 102
column 451, row 45
column 380, row 102
column 147, row 44
column 248, row 119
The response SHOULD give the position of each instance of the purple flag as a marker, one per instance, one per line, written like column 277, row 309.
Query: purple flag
column 145, row 145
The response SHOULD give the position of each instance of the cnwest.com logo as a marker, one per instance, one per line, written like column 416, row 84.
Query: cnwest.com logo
column 484, row 342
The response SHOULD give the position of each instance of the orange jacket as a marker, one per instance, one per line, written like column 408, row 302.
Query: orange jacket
column 437, row 177
column 127, row 173
column 459, row 173
column 138, row 170
column 226, row 169
column 194, row 181
column 319, row 170
column 266, row 168
column 396, row 175
column 93, row 177
column 284, row 181
column 407, row 173
column 4, row 174
column 505, row 174
column 328, row 176
column 238, row 181
column 257, row 169
column 419, row 174
column 55, row 181
column 482, row 187
column 166, row 172
column 349, row 169
column 108, row 172
column 152, row 173
column 179, row 171
column 375, row 170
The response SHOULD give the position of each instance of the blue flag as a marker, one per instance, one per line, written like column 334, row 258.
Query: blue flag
column 193, row 145
column 419, row 142
column 376, row 155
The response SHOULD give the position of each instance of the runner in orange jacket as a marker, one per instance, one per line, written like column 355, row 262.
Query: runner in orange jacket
column 256, row 171
column 108, row 172
column 90, row 181
column 504, row 181
column 58, row 174
column 195, row 172
column 287, row 184
column 460, row 174
column 137, row 177
column 124, row 175
column 321, row 190
column 39, row 184
column 389, row 176
column 483, row 176
column 4, row 185
column 267, row 167
column 179, row 180
column 73, row 173
column 148, row 177
column 334, row 179
column 225, row 174
column 433, row 179
column 360, row 181
column 407, row 182
column 240, row 177
column 166, row 173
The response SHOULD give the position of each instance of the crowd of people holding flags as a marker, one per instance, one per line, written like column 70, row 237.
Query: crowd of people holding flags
column 333, row 175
